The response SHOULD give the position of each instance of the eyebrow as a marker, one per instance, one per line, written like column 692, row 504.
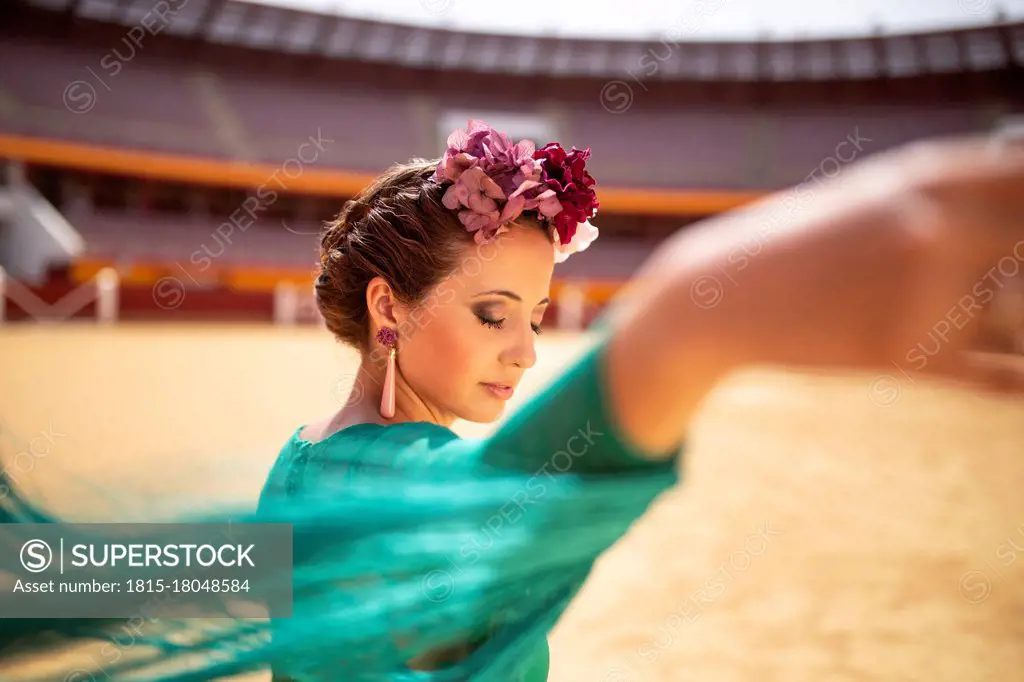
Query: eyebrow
column 508, row 294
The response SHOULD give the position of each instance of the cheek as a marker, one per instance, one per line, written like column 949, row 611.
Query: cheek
column 447, row 356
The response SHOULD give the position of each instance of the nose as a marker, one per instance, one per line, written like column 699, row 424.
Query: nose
column 522, row 352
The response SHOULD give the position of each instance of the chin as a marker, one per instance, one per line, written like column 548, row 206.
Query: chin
column 483, row 414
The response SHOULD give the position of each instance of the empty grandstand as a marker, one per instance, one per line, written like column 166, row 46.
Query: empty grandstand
column 190, row 150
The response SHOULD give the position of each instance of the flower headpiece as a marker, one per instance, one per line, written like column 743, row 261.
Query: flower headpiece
column 494, row 181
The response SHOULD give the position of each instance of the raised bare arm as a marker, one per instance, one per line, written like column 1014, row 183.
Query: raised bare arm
column 852, row 277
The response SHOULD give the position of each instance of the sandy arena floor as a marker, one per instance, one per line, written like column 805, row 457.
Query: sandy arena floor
column 829, row 529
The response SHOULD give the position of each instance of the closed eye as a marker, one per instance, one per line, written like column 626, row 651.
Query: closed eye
column 493, row 324
column 500, row 324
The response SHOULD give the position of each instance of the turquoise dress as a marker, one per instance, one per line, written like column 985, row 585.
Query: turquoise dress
column 580, row 485
column 406, row 540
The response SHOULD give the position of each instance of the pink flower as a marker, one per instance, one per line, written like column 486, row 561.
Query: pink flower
column 531, row 195
column 494, row 181
column 509, row 165
column 454, row 165
column 478, row 195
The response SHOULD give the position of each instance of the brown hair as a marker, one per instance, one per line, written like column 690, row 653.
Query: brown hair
column 396, row 228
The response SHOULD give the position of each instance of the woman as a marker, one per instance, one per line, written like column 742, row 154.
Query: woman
column 439, row 273
column 423, row 556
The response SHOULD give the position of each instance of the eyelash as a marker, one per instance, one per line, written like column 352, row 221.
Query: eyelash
column 498, row 324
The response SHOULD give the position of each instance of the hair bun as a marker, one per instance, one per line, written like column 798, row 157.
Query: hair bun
column 396, row 228
column 354, row 211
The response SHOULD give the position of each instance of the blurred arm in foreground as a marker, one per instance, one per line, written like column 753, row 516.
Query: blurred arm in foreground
column 855, row 279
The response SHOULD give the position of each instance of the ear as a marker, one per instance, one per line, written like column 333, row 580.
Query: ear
column 381, row 304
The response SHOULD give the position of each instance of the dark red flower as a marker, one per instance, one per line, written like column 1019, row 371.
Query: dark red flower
column 566, row 173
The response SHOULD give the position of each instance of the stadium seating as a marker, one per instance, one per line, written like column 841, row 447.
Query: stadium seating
column 716, row 124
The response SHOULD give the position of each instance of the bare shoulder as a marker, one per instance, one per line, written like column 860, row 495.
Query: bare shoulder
column 320, row 429
column 316, row 431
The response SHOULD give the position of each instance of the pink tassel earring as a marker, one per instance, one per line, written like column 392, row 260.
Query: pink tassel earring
column 388, row 338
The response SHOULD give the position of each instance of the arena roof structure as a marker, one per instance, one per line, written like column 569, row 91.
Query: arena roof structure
column 176, row 89
column 189, row 107
column 705, row 40
column 710, row 20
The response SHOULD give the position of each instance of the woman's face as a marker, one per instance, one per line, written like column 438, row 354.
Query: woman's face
column 463, row 351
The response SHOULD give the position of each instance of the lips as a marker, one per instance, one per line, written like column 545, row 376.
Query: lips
column 503, row 391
